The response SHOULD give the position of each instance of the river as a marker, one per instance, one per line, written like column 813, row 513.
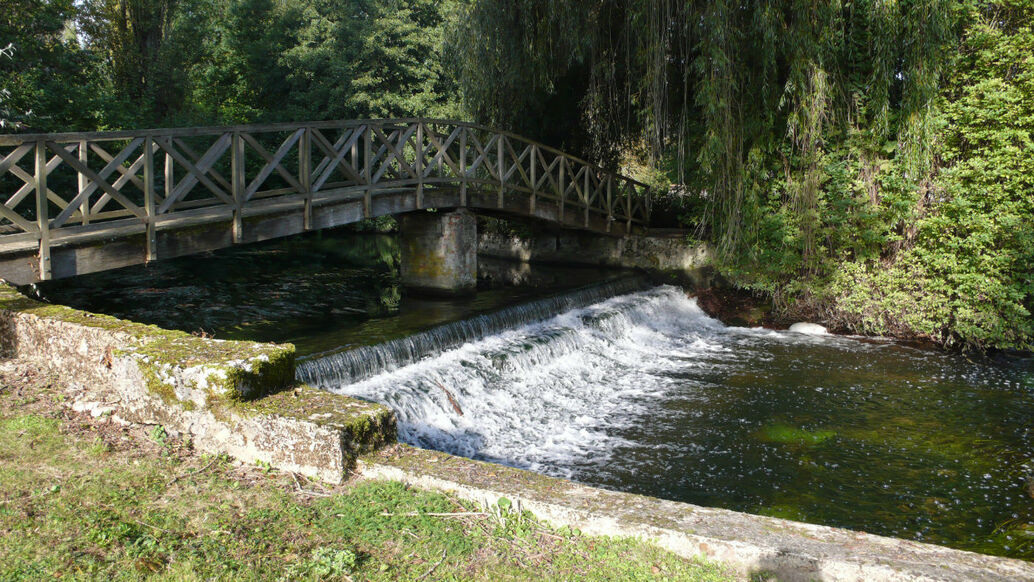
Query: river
column 630, row 386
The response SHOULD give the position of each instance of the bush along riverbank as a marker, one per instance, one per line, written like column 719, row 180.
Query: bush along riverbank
column 946, row 256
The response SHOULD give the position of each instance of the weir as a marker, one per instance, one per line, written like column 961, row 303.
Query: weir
column 333, row 370
column 642, row 392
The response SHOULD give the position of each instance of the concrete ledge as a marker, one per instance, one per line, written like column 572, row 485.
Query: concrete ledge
column 233, row 397
column 667, row 253
column 749, row 544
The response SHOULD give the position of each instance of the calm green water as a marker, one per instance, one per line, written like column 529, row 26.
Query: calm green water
column 871, row 436
column 322, row 291
column 644, row 393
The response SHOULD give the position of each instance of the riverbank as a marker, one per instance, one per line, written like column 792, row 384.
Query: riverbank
column 88, row 496
column 738, row 307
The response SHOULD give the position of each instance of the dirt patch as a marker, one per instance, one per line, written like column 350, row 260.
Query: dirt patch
column 740, row 308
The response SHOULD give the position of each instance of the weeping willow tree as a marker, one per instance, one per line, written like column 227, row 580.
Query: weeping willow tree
column 864, row 162
column 721, row 86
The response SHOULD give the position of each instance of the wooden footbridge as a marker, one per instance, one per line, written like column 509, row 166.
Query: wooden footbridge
column 74, row 203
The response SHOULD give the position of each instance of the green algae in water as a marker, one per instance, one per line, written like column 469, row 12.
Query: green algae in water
column 322, row 291
column 785, row 434
column 644, row 394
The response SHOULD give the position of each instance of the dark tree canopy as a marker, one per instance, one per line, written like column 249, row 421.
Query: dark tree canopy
column 864, row 162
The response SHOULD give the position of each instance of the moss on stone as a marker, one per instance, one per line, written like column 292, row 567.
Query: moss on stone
column 235, row 382
column 365, row 422
column 238, row 369
column 156, row 386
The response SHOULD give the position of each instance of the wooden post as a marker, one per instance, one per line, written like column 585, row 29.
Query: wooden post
column 586, row 197
column 305, row 175
column 152, row 239
column 237, row 184
column 368, row 171
column 563, row 189
column 534, row 178
column 355, row 155
column 647, row 208
column 42, row 216
column 499, row 168
column 419, row 164
column 170, row 174
column 463, row 166
column 84, row 182
column 610, row 201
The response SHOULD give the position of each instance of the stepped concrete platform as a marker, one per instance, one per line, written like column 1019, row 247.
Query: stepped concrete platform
column 232, row 397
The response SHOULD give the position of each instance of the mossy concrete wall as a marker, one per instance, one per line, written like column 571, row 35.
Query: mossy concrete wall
column 232, row 397
column 671, row 253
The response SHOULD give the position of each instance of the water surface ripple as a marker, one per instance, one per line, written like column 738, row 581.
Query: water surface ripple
column 645, row 393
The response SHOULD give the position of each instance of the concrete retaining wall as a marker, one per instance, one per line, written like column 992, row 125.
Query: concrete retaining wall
column 229, row 397
column 672, row 254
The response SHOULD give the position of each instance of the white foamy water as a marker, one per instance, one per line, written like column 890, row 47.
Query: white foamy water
column 548, row 395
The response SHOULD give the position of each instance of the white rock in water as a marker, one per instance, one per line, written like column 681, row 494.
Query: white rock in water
column 808, row 328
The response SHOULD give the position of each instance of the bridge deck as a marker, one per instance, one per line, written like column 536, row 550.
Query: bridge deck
column 78, row 203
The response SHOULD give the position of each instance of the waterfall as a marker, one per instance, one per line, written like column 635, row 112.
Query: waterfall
column 347, row 367
column 545, row 392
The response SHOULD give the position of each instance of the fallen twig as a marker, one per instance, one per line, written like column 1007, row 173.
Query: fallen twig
column 433, row 568
column 447, row 514
column 198, row 472
column 452, row 400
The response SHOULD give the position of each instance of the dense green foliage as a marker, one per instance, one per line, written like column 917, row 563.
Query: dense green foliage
column 969, row 275
column 866, row 162
column 46, row 80
column 137, row 63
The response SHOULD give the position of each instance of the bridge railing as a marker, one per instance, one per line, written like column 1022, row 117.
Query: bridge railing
column 60, row 188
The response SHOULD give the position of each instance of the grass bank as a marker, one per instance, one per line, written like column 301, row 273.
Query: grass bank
column 84, row 497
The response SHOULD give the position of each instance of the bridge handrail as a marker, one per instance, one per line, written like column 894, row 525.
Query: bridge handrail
column 14, row 139
column 93, row 189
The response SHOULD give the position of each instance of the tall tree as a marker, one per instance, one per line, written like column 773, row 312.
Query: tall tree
column 721, row 84
column 131, row 36
column 46, row 82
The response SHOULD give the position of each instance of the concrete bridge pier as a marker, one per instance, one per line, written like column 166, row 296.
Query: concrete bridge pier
column 439, row 252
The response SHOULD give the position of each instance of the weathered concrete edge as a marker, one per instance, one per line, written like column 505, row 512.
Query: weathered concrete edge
column 667, row 254
column 747, row 543
column 229, row 397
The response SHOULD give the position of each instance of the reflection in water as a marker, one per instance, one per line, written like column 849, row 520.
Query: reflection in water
column 645, row 393
column 320, row 291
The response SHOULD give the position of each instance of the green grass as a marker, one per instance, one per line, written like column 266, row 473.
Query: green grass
column 83, row 499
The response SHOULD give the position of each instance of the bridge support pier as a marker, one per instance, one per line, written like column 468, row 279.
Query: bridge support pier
column 439, row 252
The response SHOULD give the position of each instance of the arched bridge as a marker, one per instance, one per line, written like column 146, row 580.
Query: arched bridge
column 74, row 203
